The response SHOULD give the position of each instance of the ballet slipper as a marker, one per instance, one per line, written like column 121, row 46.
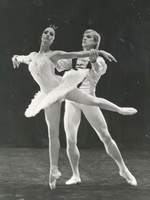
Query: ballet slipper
column 53, row 176
column 73, row 180
column 128, row 176
column 127, row 111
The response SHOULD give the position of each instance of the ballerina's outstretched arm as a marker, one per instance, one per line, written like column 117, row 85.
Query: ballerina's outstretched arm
column 17, row 59
column 107, row 55
column 57, row 55
column 78, row 96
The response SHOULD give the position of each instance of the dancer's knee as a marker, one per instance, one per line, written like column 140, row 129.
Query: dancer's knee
column 67, row 128
column 53, row 134
column 71, row 142
column 106, row 137
column 71, row 136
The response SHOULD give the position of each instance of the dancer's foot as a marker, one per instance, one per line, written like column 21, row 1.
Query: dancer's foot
column 53, row 176
column 128, row 176
column 127, row 111
column 73, row 180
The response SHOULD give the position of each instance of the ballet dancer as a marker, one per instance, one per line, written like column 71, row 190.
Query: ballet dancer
column 54, row 89
column 72, row 117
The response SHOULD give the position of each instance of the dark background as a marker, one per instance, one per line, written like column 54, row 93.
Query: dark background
column 125, row 30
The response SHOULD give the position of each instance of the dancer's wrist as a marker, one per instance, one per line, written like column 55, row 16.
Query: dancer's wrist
column 94, row 61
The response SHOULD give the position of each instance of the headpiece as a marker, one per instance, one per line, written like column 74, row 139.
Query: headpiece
column 53, row 26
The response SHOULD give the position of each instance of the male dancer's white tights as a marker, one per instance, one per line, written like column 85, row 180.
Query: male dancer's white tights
column 95, row 117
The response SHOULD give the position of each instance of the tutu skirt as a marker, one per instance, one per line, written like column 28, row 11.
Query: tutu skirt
column 42, row 100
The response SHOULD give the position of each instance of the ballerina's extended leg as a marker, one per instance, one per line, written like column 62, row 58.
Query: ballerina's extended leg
column 80, row 97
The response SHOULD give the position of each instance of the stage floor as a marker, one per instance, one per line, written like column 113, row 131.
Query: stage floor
column 24, row 176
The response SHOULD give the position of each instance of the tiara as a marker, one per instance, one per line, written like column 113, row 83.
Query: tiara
column 53, row 26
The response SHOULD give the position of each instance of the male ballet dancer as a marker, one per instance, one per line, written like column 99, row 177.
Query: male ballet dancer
column 72, row 117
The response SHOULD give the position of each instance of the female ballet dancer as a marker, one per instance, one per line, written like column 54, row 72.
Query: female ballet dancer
column 72, row 118
column 54, row 89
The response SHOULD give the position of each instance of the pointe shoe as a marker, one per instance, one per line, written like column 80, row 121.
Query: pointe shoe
column 128, row 111
column 52, row 185
column 73, row 180
column 129, row 177
column 54, row 175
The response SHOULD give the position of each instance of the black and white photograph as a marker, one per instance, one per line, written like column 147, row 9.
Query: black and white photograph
column 74, row 100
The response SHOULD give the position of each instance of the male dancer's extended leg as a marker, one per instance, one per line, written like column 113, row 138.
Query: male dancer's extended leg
column 52, row 117
column 72, row 120
column 97, row 121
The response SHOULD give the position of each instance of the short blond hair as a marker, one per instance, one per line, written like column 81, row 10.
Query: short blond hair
column 97, row 37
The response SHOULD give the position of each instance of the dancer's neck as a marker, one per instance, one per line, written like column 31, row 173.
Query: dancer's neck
column 44, row 48
column 87, row 49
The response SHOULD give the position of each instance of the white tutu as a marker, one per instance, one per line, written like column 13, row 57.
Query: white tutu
column 41, row 100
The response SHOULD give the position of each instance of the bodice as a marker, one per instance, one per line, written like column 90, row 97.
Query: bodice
column 43, row 73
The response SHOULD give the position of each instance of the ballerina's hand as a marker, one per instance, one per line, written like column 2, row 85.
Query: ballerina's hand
column 93, row 55
column 15, row 62
column 108, row 56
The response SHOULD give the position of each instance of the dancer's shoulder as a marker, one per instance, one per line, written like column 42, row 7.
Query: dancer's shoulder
column 32, row 54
